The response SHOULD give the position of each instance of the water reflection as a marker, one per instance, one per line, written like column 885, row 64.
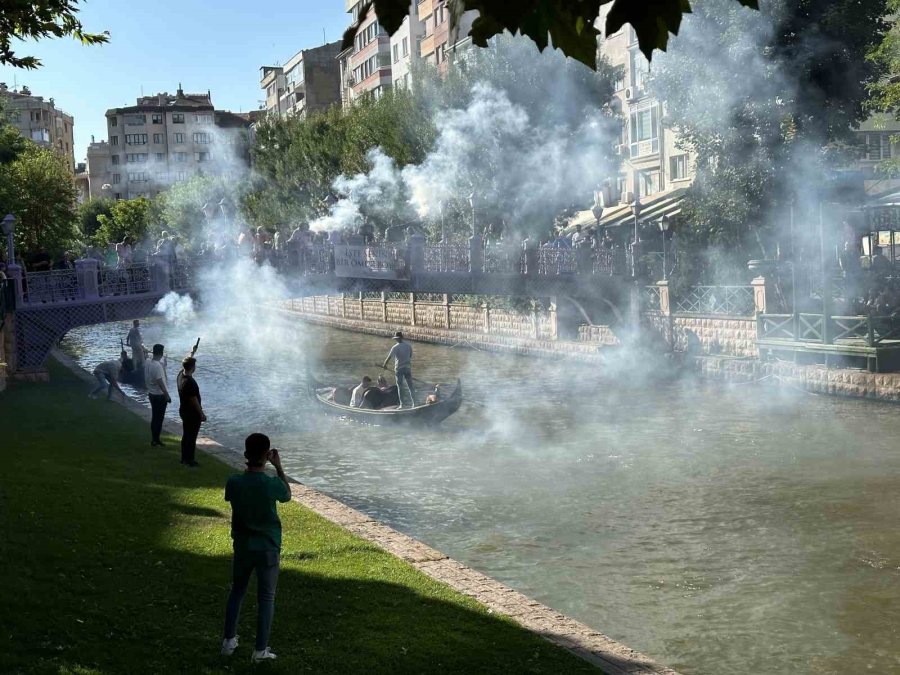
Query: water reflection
column 741, row 530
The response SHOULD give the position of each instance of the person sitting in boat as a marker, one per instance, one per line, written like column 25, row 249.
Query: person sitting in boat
column 341, row 395
column 434, row 396
column 356, row 398
column 391, row 396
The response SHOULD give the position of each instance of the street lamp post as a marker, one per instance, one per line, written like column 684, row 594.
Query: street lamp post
column 636, row 210
column 664, row 229
column 441, row 213
column 9, row 229
column 472, row 204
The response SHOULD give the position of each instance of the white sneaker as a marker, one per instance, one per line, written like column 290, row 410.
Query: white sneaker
column 228, row 646
column 264, row 655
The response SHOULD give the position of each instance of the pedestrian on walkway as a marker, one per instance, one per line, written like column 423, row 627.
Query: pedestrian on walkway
column 157, row 391
column 256, row 535
column 401, row 352
column 190, row 409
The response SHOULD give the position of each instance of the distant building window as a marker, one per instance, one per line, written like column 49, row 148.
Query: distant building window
column 644, row 128
column 201, row 156
column 14, row 116
column 157, row 118
column 878, row 146
column 115, row 159
column 201, row 137
column 396, row 53
column 180, row 156
column 157, row 138
column 113, row 140
column 648, row 183
column 204, row 118
column 177, row 118
column 135, row 120
column 678, row 167
column 619, row 83
column 179, row 175
column 117, row 178
column 113, row 121
column 136, row 139
column 160, row 157
column 138, row 177
column 640, row 69
column 118, row 196
column 40, row 135
column 136, row 158
column 405, row 47
column 162, row 177
column 179, row 138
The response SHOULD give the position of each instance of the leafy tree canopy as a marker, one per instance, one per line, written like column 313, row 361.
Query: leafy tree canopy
column 20, row 20
column 89, row 213
column 567, row 25
column 127, row 219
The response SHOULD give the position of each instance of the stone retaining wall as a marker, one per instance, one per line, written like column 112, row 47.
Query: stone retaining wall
column 725, row 335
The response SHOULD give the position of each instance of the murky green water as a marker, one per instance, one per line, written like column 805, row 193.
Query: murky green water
column 721, row 530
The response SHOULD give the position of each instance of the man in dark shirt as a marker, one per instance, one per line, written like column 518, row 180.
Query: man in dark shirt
column 190, row 410
column 256, row 534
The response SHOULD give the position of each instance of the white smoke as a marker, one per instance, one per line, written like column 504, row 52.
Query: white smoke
column 178, row 309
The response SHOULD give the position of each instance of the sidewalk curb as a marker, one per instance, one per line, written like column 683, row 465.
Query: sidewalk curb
column 580, row 639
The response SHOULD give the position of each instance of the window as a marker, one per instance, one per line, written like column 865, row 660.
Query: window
column 157, row 138
column 648, row 183
column 138, row 177
column 115, row 159
column 878, row 146
column 157, row 118
column 113, row 121
column 40, row 135
column 179, row 138
column 135, row 120
column 136, row 139
column 644, row 126
column 177, row 118
column 201, row 137
column 203, row 118
column 619, row 82
column 621, row 183
column 678, row 167
column 180, row 156
column 405, row 47
column 136, row 158
column 179, row 175
column 640, row 69
column 14, row 116
column 118, row 196
column 113, row 140
column 160, row 157
column 162, row 177
column 201, row 156
column 396, row 53
column 117, row 178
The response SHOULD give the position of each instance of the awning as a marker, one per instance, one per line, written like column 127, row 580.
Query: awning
column 653, row 207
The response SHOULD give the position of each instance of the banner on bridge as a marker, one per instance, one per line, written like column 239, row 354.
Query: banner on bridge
column 371, row 262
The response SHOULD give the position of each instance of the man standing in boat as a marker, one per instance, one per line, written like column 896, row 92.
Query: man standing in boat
column 136, row 341
column 401, row 352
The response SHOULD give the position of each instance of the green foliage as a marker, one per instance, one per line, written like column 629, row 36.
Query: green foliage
column 885, row 93
column 37, row 187
column 181, row 206
column 761, row 119
column 36, row 19
column 88, row 214
column 567, row 25
column 127, row 218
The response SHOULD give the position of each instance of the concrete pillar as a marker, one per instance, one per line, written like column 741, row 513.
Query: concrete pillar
column 554, row 319
column 343, row 305
column 86, row 273
column 416, row 243
column 15, row 273
column 762, row 290
column 384, row 306
column 412, row 309
column 476, row 254
column 665, row 303
column 447, row 310
column 487, row 317
column 160, row 273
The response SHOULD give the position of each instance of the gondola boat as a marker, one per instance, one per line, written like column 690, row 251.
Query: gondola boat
column 420, row 414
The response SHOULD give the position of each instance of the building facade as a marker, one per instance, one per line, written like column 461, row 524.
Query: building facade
column 405, row 49
column 439, row 40
column 365, row 66
column 309, row 82
column 40, row 121
column 165, row 139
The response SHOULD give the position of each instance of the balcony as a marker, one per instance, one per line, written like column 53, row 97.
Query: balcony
column 425, row 9
column 426, row 46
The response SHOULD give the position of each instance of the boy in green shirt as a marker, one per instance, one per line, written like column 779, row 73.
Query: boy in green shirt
column 256, row 533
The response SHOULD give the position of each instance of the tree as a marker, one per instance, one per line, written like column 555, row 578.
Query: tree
column 40, row 19
column 567, row 25
column 88, row 214
column 181, row 206
column 763, row 99
column 127, row 218
column 38, row 188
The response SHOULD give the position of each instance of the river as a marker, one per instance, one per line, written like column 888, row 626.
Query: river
column 742, row 530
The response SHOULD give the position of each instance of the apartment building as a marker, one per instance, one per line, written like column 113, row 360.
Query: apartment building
column 439, row 41
column 405, row 48
column 164, row 139
column 310, row 81
column 365, row 66
column 40, row 121
column 99, row 170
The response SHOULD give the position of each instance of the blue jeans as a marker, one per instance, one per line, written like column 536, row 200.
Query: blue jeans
column 266, row 564
column 405, row 375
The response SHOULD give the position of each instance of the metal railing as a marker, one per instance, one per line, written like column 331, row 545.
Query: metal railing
column 51, row 286
column 650, row 298
column 727, row 300
column 183, row 273
column 447, row 258
column 500, row 259
column 317, row 259
column 556, row 261
column 125, row 280
column 803, row 327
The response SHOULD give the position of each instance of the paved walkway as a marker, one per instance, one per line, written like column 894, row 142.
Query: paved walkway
column 612, row 657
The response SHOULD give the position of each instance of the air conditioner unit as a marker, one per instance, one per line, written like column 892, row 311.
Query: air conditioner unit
column 622, row 150
column 630, row 93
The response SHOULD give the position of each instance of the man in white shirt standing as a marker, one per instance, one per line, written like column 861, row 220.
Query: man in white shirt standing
column 401, row 352
column 136, row 341
column 157, row 391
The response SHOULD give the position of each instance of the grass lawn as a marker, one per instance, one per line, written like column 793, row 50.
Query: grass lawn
column 114, row 558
